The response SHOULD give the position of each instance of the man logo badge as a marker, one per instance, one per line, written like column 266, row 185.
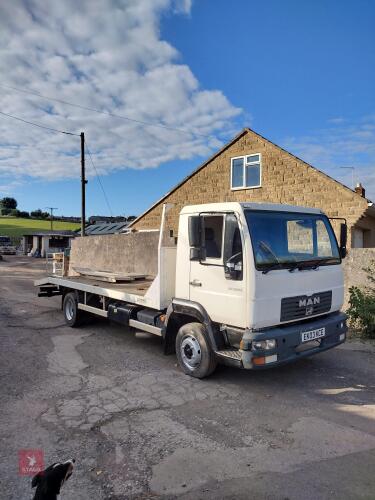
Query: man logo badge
column 308, row 303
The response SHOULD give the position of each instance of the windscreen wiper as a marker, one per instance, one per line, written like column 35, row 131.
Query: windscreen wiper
column 308, row 264
column 312, row 264
column 300, row 266
column 272, row 267
column 293, row 267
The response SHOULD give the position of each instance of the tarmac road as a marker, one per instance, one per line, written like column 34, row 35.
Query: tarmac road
column 139, row 428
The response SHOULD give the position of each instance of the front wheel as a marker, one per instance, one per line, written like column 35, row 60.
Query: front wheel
column 194, row 352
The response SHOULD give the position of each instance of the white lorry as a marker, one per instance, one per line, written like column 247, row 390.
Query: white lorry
column 252, row 285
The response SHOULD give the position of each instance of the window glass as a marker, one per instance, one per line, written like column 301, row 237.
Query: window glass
column 300, row 236
column 252, row 158
column 237, row 172
column 213, row 232
column 233, row 257
column 286, row 239
column 253, row 175
column 324, row 241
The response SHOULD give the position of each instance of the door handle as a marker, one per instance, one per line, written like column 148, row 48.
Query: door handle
column 195, row 283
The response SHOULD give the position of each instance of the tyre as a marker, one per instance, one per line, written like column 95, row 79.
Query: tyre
column 72, row 315
column 194, row 352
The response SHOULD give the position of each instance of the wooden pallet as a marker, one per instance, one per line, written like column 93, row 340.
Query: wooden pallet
column 108, row 276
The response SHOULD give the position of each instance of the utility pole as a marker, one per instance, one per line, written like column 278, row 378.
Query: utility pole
column 83, row 185
column 51, row 209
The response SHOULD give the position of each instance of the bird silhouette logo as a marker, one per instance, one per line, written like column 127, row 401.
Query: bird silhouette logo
column 32, row 460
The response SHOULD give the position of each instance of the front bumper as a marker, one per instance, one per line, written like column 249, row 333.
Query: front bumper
column 289, row 346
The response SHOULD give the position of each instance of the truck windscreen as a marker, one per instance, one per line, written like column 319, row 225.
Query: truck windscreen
column 291, row 240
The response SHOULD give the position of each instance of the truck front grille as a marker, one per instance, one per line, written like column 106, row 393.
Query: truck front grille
column 304, row 306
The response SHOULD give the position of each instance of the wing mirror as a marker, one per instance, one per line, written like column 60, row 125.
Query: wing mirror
column 230, row 271
column 343, row 240
column 233, row 267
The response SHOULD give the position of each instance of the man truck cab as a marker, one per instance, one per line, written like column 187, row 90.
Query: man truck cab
column 269, row 275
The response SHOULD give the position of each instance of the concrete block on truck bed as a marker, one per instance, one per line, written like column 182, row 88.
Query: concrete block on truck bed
column 109, row 276
column 116, row 253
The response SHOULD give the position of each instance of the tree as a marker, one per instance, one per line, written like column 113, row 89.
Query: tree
column 36, row 214
column 8, row 203
column 23, row 214
column 39, row 214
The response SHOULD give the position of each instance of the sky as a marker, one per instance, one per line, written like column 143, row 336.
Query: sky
column 300, row 73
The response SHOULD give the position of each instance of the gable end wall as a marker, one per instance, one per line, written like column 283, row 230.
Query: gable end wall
column 285, row 179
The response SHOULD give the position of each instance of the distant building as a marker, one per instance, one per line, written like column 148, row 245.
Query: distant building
column 39, row 244
column 106, row 228
column 64, row 218
column 95, row 219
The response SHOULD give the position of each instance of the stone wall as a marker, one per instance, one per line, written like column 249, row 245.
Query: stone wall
column 353, row 264
column 285, row 179
column 120, row 253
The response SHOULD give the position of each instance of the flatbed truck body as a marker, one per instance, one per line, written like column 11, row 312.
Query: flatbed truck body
column 250, row 285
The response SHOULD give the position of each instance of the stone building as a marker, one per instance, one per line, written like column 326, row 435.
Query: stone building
column 251, row 168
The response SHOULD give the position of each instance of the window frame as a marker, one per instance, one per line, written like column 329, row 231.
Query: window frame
column 245, row 164
column 236, row 216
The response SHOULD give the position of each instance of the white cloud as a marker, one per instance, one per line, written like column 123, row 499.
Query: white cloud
column 105, row 54
column 343, row 144
column 338, row 120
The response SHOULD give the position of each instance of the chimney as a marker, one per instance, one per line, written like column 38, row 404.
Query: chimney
column 359, row 189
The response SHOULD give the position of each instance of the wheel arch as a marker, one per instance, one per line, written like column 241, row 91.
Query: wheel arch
column 179, row 313
column 65, row 292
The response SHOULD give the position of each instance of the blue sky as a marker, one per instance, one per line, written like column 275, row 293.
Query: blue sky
column 300, row 73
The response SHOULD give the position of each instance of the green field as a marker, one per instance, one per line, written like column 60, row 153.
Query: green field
column 17, row 227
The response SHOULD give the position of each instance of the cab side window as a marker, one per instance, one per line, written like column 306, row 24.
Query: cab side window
column 233, row 252
column 213, row 236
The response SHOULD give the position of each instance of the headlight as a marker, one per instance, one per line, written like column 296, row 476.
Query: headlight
column 264, row 345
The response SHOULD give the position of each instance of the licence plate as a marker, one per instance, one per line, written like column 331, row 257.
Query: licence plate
column 313, row 334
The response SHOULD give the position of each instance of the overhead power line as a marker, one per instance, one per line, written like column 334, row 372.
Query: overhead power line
column 108, row 113
column 99, row 180
column 37, row 124
column 66, row 133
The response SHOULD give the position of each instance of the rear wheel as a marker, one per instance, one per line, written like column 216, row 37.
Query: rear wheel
column 194, row 352
column 73, row 316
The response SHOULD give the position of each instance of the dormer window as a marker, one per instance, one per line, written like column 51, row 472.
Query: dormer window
column 246, row 172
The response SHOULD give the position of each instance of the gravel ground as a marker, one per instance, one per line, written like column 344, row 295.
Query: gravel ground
column 140, row 429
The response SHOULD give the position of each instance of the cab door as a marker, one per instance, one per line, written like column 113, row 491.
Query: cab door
column 217, row 279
